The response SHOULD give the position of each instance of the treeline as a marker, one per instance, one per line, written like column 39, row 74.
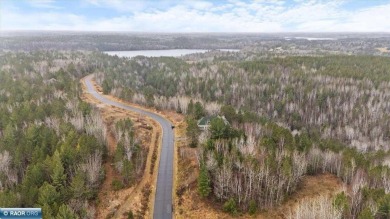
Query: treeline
column 27, row 41
column 274, row 44
column 52, row 144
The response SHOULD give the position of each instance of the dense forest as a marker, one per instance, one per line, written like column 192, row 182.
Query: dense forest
column 52, row 144
column 342, row 97
column 254, row 166
column 288, row 117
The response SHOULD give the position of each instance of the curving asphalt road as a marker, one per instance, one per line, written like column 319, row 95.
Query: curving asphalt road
column 163, row 199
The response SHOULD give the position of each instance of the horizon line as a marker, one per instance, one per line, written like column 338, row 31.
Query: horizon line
column 190, row 32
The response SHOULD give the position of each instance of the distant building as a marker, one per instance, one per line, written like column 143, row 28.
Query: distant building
column 204, row 122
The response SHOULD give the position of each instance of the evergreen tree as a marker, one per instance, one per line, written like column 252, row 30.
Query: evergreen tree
column 48, row 199
column 64, row 212
column 192, row 131
column 47, row 211
column 106, row 87
column 199, row 111
column 229, row 112
column 341, row 202
column 230, row 206
column 58, row 176
column 190, row 108
column 366, row 214
column 78, row 185
column 127, row 171
column 33, row 179
column 219, row 129
column 384, row 207
column 178, row 110
column 9, row 199
column 204, row 182
column 252, row 207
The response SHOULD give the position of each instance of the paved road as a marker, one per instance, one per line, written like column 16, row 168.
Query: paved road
column 163, row 199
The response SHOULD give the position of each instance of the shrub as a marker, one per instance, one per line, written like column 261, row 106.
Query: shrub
column 252, row 207
column 230, row 206
column 130, row 215
column 204, row 182
column 117, row 185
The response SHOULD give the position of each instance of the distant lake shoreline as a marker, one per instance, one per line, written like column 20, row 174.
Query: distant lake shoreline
column 163, row 52
column 310, row 38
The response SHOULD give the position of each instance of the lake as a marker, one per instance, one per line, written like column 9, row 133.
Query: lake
column 159, row 53
column 309, row 38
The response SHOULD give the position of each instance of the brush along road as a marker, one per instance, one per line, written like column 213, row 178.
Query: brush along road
column 163, row 199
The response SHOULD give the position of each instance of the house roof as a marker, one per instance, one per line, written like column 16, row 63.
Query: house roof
column 205, row 120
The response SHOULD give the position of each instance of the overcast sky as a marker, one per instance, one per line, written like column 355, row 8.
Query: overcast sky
column 197, row 16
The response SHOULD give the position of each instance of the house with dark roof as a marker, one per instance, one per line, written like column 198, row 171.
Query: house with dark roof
column 204, row 122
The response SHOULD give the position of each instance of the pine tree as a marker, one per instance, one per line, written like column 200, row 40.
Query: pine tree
column 47, row 194
column 106, row 87
column 192, row 132
column 190, row 108
column 366, row 214
column 204, row 182
column 78, row 185
column 9, row 199
column 48, row 199
column 58, row 175
column 384, row 207
column 229, row 112
column 341, row 202
column 252, row 207
column 219, row 129
column 230, row 206
column 64, row 212
column 198, row 110
column 47, row 211
column 178, row 110
column 127, row 171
